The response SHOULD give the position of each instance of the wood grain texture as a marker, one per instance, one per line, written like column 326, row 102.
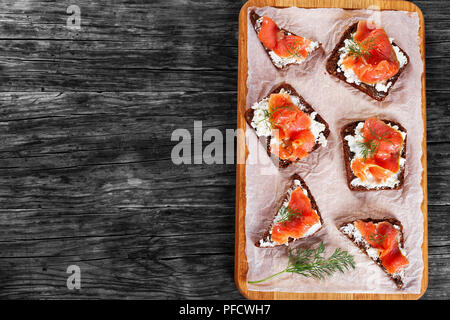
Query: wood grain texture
column 241, row 266
column 85, row 174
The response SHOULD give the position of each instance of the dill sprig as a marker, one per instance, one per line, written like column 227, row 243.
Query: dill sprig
column 294, row 50
column 377, row 238
column 288, row 214
column 269, row 114
column 309, row 263
column 370, row 147
column 362, row 49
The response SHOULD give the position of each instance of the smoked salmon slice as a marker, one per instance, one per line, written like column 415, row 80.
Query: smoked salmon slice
column 363, row 168
column 385, row 238
column 285, row 46
column 381, row 147
column 372, row 56
column 298, row 217
column 290, row 126
column 269, row 33
column 382, row 241
column 302, row 218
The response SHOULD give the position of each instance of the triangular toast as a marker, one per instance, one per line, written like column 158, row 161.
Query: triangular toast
column 285, row 217
column 279, row 62
column 378, row 239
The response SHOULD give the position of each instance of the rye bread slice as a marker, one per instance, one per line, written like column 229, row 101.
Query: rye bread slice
column 308, row 109
column 253, row 19
column 266, row 238
column 332, row 68
column 349, row 129
column 398, row 280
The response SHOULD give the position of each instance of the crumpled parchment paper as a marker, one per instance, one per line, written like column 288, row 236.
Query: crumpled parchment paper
column 323, row 170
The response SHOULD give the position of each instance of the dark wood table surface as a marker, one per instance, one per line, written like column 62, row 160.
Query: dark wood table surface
column 86, row 176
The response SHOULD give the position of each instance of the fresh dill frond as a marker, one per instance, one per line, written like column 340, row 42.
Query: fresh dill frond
column 377, row 238
column 310, row 263
column 294, row 50
column 269, row 114
column 362, row 49
column 288, row 214
column 370, row 147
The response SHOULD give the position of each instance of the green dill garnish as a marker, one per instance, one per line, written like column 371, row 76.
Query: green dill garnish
column 269, row 114
column 362, row 49
column 370, row 147
column 310, row 263
column 377, row 238
column 295, row 51
column 288, row 214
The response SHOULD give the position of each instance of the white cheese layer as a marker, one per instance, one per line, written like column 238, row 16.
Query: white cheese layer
column 351, row 76
column 261, row 123
column 354, row 143
column 258, row 24
column 281, row 62
column 352, row 231
column 268, row 242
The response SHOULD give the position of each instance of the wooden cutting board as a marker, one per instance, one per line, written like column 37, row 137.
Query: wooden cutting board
column 240, row 257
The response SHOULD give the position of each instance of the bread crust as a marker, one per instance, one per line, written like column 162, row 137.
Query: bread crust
column 349, row 129
column 332, row 66
column 285, row 197
column 397, row 279
column 253, row 18
column 308, row 109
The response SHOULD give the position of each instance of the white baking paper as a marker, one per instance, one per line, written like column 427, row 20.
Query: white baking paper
column 323, row 170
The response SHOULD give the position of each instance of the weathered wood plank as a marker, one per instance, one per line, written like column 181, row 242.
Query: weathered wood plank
column 439, row 252
column 125, row 48
column 120, row 47
column 126, row 20
column 86, row 177
column 132, row 274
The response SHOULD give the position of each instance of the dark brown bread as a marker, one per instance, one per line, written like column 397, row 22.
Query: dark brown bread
column 253, row 18
column 332, row 66
column 349, row 129
column 397, row 279
column 308, row 110
column 266, row 236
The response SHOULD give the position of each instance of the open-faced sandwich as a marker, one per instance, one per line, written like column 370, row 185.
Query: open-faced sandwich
column 287, row 124
column 298, row 216
column 382, row 241
column 283, row 47
column 367, row 59
column 374, row 154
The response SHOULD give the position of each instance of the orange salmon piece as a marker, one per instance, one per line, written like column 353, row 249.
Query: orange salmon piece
column 291, row 46
column 393, row 260
column 291, row 126
column 285, row 46
column 384, row 237
column 361, row 167
column 268, row 33
column 300, row 223
column 303, row 139
column 380, row 61
column 389, row 140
